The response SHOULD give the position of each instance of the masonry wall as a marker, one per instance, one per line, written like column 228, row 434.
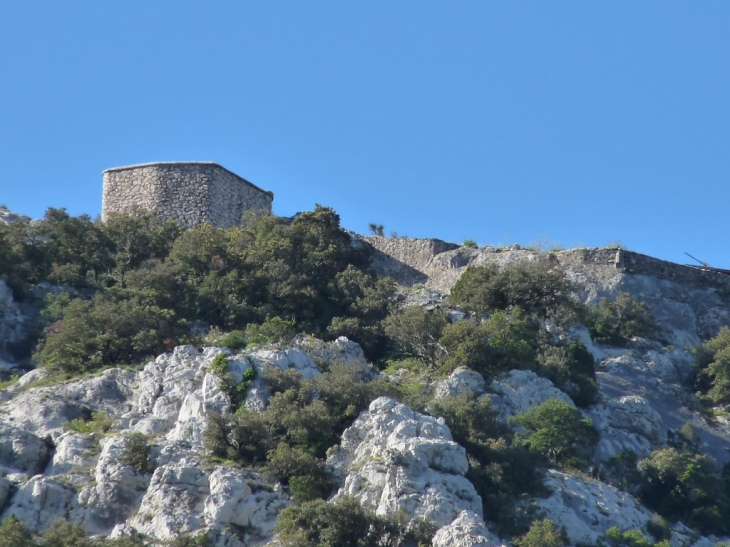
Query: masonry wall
column 189, row 192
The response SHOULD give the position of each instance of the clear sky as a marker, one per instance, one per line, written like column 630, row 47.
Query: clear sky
column 571, row 122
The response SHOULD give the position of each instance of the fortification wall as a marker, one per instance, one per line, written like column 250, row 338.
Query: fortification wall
column 189, row 192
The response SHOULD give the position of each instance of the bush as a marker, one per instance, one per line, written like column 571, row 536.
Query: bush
column 65, row 534
column 234, row 341
column 542, row 533
column 271, row 331
column 557, row 430
column 507, row 340
column 415, row 332
column 99, row 424
column 712, row 366
column 14, row 533
column 535, row 286
column 688, row 487
column 616, row 322
column 311, row 481
column 105, row 331
column 344, row 523
column 571, row 367
column 137, row 451
column 500, row 472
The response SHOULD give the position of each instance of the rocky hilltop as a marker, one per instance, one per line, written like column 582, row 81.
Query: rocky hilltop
column 66, row 444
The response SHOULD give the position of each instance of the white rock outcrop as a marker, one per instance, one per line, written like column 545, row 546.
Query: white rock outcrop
column 468, row 530
column 587, row 508
column 462, row 381
column 626, row 424
column 395, row 459
column 83, row 478
column 521, row 390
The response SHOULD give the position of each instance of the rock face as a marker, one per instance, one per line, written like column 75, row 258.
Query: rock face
column 12, row 320
column 588, row 508
column 688, row 302
column 48, row 472
column 521, row 390
column 461, row 381
column 394, row 459
column 467, row 530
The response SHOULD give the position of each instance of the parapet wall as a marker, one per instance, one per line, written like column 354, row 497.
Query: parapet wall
column 189, row 192
column 439, row 265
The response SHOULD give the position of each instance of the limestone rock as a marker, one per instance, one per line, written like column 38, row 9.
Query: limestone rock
column 23, row 451
column 396, row 459
column 116, row 491
column 521, row 390
column 587, row 508
column 12, row 320
column 42, row 500
column 462, row 381
column 468, row 530
column 628, row 423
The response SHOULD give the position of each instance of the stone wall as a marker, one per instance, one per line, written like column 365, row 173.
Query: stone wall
column 189, row 192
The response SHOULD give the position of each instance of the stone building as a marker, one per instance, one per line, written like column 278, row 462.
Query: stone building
column 189, row 192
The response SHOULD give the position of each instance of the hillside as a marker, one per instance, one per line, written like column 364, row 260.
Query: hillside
column 270, row 385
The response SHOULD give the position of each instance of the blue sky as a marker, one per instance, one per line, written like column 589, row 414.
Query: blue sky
column 572, row 122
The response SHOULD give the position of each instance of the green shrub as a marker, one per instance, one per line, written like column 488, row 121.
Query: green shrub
column 534, row 286
column 136, row 453
column 99, row 424
column 199, row 540
column 415, row 332
column 271, row 331
column 470, row 243
column 557, row 430
column 14, row 533
column 65, row 534
column 234, row 341
column 507, row 340
column 614, row 537
column 687, row 487
column 104, row 331
column 542, row 533
column 616, row 321
column 712, row 366
column 344, row 523
column 502, row 473
column 236, row 391
column 571, row 367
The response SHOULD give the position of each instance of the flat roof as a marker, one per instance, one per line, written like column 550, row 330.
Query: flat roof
column 204, row 163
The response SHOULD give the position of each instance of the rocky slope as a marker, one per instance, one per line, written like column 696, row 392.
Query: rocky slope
column 392, row 459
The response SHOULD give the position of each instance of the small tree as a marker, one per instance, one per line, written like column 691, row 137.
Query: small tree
column 558, row 431
column 376, row 229
column 712, row 364
column 137, row 450
column 416, row 332
column 617, row 321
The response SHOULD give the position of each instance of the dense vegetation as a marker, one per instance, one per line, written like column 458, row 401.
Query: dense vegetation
column 139, row 285
column 134, row 287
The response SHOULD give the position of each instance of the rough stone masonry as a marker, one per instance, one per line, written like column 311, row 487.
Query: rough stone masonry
column 189, row 192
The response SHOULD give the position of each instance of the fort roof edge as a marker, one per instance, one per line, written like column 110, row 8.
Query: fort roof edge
column 170, row 163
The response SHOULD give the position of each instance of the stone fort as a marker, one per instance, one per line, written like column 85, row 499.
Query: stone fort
column 190, row 193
